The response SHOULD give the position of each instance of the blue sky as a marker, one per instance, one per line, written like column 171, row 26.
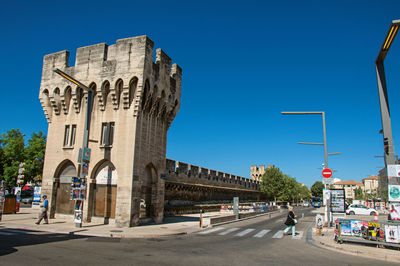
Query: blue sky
column 243, row 63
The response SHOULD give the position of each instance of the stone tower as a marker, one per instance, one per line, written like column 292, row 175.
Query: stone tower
column 135, row 101
column 256, row 173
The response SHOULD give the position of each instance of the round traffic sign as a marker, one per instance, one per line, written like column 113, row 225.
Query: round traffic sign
column 327, row 173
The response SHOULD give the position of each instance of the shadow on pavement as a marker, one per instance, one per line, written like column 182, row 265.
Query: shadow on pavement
column 10, row 239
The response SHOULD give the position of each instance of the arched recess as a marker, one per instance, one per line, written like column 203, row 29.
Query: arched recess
column 147, row 189
column 105, row 91
column 46, row 105
column 66, row 170
column 145, row 94
column 105, row 190
column 119, row 85
column 132, row 89
column 93, row 88
column 67, row 98
column 79, row 98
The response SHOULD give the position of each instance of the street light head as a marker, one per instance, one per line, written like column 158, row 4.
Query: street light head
column 390, row 36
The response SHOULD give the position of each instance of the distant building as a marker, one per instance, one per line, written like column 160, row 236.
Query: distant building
column 256, row 173
column 370, row 184
column 349, row 187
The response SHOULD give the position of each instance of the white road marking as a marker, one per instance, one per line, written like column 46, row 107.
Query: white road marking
column 211, row 230
column 262, row 233
column 279, row 221
column 299, row 236
column 245, row 232
column 278, row 234
column 228, row 231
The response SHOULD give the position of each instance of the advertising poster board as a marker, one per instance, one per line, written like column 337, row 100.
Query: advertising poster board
column 392, row 233
column 394, row 193
column 394, row 212
column 37, row 191
column 356, row 228
column 338, row 201
column 374, row 230
column 345, row 227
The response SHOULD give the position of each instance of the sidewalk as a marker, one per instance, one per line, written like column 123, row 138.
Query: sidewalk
column 63, row 224
column 357, row 249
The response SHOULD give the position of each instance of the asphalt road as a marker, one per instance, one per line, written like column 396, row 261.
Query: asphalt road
column 255, row 241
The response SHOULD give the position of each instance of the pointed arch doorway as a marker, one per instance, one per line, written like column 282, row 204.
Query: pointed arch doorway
column 147, row 190
column 105, row 191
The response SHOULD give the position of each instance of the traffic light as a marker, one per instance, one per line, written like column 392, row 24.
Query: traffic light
column 386, row 145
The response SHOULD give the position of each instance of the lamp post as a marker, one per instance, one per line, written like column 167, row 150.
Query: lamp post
column 84, row 153
column 327, row 207
column 384, row 102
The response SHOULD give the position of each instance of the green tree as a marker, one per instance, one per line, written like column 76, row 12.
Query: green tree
column 34, row 157
column 12, row 146
column 358, row 194
column 290, row 190
column 305, row 193
column 272, row 183
column 316, row 189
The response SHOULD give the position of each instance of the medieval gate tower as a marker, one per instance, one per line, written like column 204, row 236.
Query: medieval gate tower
column 135, row 101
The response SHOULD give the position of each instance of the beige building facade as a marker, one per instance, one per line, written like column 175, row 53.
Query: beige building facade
column 135, row 101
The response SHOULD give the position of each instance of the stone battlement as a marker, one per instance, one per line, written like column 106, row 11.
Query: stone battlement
column 187, row 173
column 117, row 73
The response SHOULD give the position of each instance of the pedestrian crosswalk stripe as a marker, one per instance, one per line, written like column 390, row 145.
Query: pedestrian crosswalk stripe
column 262, row 233
column 228, row 231
column 211, row 230
column 278, row 234
column 299, row 236
column 245, row 232
column 279, row 221
column 6, row 234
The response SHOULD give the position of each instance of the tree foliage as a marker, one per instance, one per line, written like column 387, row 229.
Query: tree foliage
column 279, row 186
column 358, row 194
column 13, row 151
column 317, row 189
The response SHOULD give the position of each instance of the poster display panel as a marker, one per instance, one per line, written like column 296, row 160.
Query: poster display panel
column 356, row 228
column 338, row 201
column 394, row 193
column 392, row 233
column 345, row 227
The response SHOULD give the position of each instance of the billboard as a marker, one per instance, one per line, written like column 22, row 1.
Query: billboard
column 338, row 201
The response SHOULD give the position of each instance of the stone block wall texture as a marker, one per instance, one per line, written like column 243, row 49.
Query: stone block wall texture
column 139, row 96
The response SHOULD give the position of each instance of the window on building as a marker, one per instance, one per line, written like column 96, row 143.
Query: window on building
column 66, row 135
column 107, row 134
column 73, row 133
column 69, row 135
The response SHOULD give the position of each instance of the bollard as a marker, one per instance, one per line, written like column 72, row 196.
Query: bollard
column 269, row 215
column 201, row 219
column 302, row 215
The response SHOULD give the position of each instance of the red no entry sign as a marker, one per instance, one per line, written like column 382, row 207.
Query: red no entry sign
column 327, row 173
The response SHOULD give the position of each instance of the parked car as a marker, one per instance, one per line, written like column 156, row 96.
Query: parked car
column 27, row 199
column 360, row 209
column 306, row 204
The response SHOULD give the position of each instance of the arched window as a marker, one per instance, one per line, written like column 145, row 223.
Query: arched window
column 132, row 89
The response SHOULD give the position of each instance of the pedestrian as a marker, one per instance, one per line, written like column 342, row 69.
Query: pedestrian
column 43, row 208
column 290, row 222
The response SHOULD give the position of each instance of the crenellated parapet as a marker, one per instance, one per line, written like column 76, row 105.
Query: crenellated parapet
column 123, row 77
column 186, row 173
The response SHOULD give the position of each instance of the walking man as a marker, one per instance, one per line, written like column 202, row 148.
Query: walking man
column 43, row 208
